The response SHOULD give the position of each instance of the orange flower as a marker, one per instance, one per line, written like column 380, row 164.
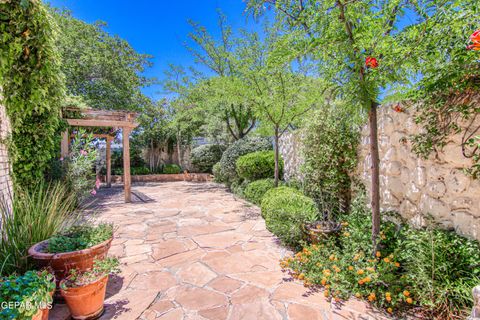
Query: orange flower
column 355, row 258
column 406, row 293
column 326, row 293
column 371, row 297
column 386, row 260
column 332, row 257
column 367, row 279
column 409, row 300
column 378, row 254
column 388, row 299
column 361, row 281
column 475, row 47
column 350, row 268
column 370, row 269
column 360, row 272
column 346, row 234
column 397, row 264
column 301, row 276
column 323, row 282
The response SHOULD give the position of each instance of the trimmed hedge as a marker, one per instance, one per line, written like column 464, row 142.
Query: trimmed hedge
column 171, row 169
column 206, row 156
column 285, row 210
column 236, row 150
column 255, row 190
column 258, row 165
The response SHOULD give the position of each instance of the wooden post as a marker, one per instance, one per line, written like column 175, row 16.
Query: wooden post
column 109, row 162
column 64, row 144
column 126, row 164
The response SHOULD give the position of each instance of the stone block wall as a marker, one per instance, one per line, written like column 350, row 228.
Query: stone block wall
column 415, row 187
column 289, row 146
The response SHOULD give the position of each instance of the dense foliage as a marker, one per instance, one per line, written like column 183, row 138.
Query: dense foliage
column 171, row 169
column 36, row 214
column 80, row 237
column 329, row 150
column 80, row 165
column 32, row 86
column 102, row 69
column 236, row 150
column 33, row 288
column 428, row 268
column 257, row 165
column 285, row 210
column 255, row 190
column 205, row 156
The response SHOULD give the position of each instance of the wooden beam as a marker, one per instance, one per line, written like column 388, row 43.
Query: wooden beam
column 109, row 162
column 64, row 144
column 100, row 123
column 96, row 135
column 126, row 165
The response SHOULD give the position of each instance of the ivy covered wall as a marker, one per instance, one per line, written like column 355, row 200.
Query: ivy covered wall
column 33, row 86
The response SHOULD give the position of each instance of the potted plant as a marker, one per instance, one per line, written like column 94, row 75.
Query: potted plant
column 28, row 296
column 325, row 226
column 76, row 248
column 84, row 291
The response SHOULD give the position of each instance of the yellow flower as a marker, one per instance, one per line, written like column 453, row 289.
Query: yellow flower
column 378, row 254
column 326, row 293
column 358, row 295
column 389, row 310
column 370, row 269
column 301, row 276
column 360, row 272
column 332, row 257
column 318, row 264
column 409, row 300
column 387, row 294
column 346, row 234
column 344, row 223
column 327, row 272
column 406, row 293
column 355, row 258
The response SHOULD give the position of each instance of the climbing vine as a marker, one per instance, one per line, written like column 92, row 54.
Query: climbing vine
column 32, row 86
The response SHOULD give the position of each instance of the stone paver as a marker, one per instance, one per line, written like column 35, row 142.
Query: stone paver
column 198, row 252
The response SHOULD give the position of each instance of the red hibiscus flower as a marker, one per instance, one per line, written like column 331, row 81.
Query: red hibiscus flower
column 371, row 62
column 475, row 37
column 475, row 47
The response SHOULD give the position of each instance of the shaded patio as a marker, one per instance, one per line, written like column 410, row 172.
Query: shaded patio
column 195, row 251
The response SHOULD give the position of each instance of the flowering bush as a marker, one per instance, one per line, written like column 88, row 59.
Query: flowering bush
column 431, row 270
column 80, row 164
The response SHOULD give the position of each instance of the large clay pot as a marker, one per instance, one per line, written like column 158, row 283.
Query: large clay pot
column 86, row 302
column 62, row 263
column 318, row 231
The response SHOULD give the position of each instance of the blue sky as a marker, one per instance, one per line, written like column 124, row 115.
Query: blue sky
column 157, row 27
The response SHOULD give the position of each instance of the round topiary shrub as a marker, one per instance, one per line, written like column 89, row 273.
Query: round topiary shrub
column 285, row 210
column 206, row 156
column 171, row 169
column 255, row 190
column 236, row 150
column 258, row 165
column 217, row 173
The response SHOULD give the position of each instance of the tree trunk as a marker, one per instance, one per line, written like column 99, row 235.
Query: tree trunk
column 276, row 157
column 375, row 191
column 179, row 149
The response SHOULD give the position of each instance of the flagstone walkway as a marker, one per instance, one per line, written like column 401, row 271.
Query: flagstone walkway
column 195, row 251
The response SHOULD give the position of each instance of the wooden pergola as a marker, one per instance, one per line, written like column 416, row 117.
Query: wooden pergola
column 124, row 120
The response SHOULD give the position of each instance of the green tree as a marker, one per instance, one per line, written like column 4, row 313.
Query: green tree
column 104, row 70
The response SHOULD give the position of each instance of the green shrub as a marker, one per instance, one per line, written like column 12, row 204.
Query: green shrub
column 431, row 270
column 139, row 171
column 33, row 288
column 258, row 165
column 238, row 187
column 255, row 190
column 285, row 210
column 218, row 174
column 236, row 150
column 80, row 237
column 206, row 156
column 171, row 169
column 80, row 164
column 36, row 215
column 329, row 149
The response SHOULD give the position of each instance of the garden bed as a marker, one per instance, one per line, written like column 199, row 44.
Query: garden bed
column 194, row 177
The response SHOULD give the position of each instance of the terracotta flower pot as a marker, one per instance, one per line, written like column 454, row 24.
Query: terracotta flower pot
column 86, row 302
column 42, row 314
column 62, row 263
